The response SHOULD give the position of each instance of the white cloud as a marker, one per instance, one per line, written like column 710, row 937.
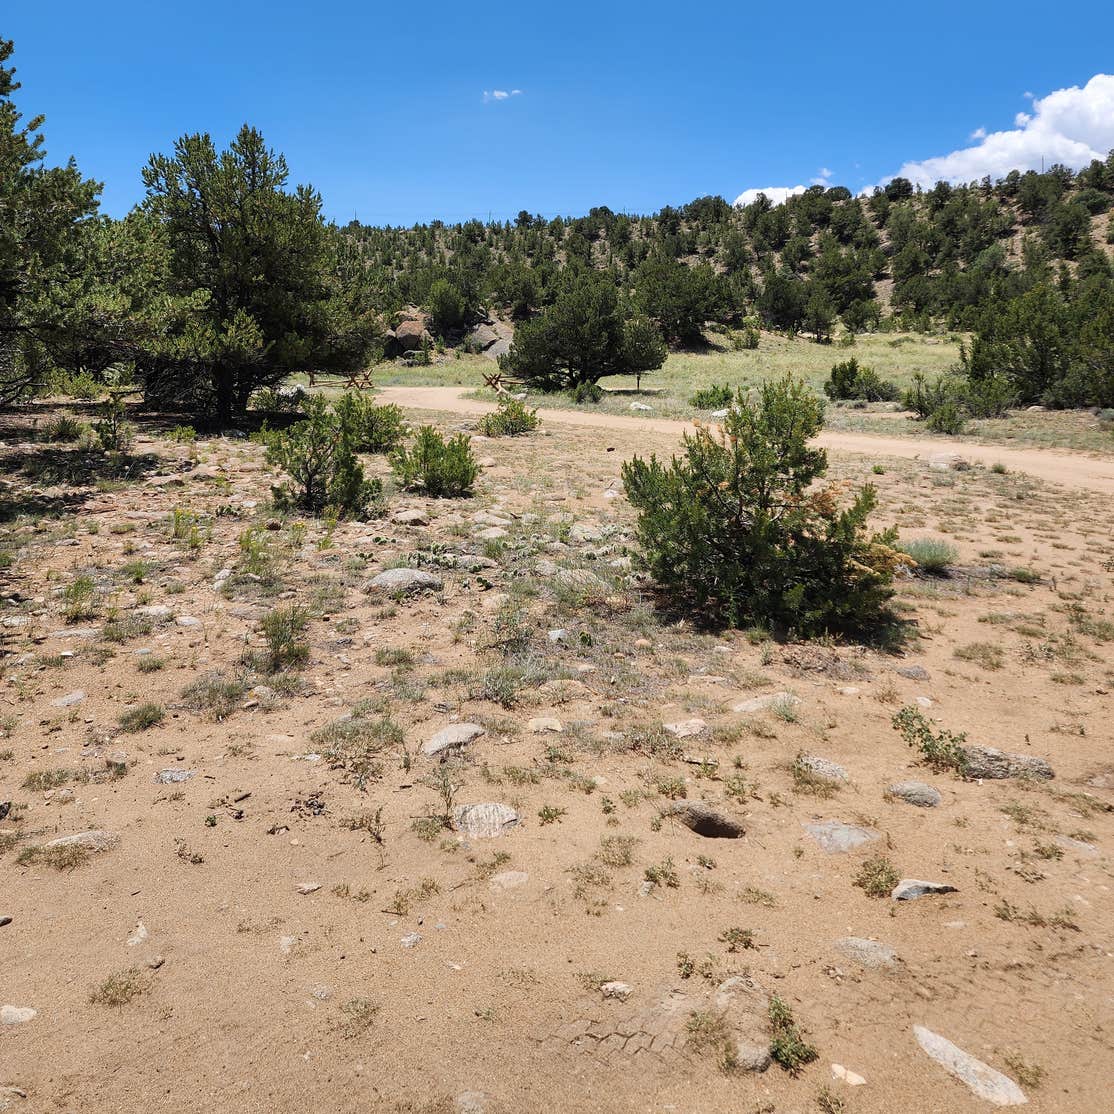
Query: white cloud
column 978, row 133
column 500, row 94
column 1070, row 126
column 777, row 194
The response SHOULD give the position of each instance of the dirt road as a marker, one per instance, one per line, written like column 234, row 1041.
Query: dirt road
column 1070, row 469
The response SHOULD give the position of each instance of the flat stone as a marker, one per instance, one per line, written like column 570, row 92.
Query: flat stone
column 913, row 672
column 69, row 700
column 761, row 703
column 705, row 821
column 915, row 793
column 404, row 582
column 541, row 724
column 411, row 940
column 488, row 518
column 852, row 1079
column 558, row 635
column 996, row 765
column 1079, row 846
column 980, row 1078
column 91, row 841
column 909, row 889
column 823, row 768
column 453, row 737
column 836, row 837
column 187, row 621
column 16, row 1015
column 508, row 880
column 491, row 533
column 485, row 821
column 412, row 517
column 160, row 610
column 867, row 953
column 173, row 776
column 686, row 728
column 305, row 888
column 582, row 532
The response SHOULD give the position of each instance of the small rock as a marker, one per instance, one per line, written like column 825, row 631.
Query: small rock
column 139, row 935
column 868, row 953
column 412, row 517
column 541, row 724
column 705, row 821
column 173, row 776
column 645, row 888
column 761, row 703
column 187, row 621
column 995, row 765
column 909, row 889
column 823, row 768
column 686, row 728
column 983, row 1080
column 491, row 533
column 617, row 990
column 155, row 962
column 16, row 1015
column 752, row 1055
column 411, row 940
column 69, row 700
column 582, row 532
column 485, row 821
column 836, row 837
column 915, row 793
column 404, row 582
column 453, row 737
column 308, row 887
column 560, row 635
column 10, row 1095
column 286, row 944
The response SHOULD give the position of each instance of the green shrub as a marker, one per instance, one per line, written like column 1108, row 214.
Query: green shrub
column 850, row 380
column 941, row 750
column 931, row 554
column 114, row 433
column 586, row 392
column 949, row 418
column 182, row 434
column 370, row 428
column 788, row 1046
column 732, row 531
column 714, row 397
column 511, row 419
column 142, row 717
column 322, row 465
column 436, row 466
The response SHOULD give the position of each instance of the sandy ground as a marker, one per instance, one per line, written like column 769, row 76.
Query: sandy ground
column 1070, row 469
column 426, row 970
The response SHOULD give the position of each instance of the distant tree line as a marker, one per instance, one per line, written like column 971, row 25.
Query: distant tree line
column 225, row 279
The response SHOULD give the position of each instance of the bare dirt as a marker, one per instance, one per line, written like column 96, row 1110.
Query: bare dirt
column 290, row 927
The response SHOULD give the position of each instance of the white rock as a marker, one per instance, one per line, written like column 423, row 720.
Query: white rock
column 411, row 940
column 404, row 582
column 540, row 724
column 485, row 821
column 308, row 887
column 508, row 880
column 848, row 1077
column 16, row 1015
column 618, row 990
column 982, row 1079
column 686, row 728
column 91, row 840
column 453, row 737
column 139, row 935
column 71, row 698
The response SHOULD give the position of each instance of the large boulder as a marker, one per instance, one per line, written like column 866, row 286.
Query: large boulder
column 409, row 334
column 482, row 337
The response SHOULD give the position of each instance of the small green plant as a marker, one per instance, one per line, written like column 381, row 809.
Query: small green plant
column 932, row 555
column 941, row 750
column 985, row 654
column 737, row 939
column 79, row 600
column 850, row 380
column 716, row 396
column 287, row 646
column 551, row 814
column 511, row 419
column 113, row 430
column 142, row 717
column 436, row 466
column 788, row 1046
column 63, row 428
column 877, row 876
column 118, row 989
column 182, row 435
column 321, row 462
column 663, row 874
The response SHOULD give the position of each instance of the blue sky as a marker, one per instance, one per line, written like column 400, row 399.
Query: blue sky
column 382, row 108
